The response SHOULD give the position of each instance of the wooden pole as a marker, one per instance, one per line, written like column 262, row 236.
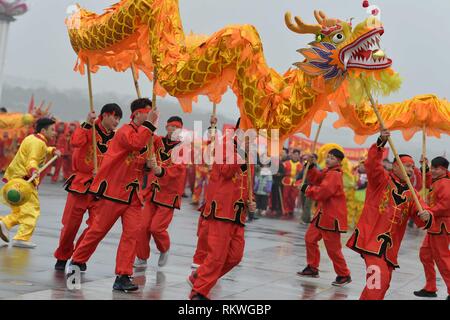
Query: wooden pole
column 249, row 172
column 313, row 150
column 155, row 78
column 91, row 107
column 424, row 164
column 213, row 137
column 136, row 82
column 394, row 150
column 37, row 173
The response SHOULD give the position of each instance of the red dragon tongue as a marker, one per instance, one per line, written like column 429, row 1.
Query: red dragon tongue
column 366, row 54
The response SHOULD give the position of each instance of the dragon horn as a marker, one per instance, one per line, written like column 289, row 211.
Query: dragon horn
column 323, row 20
column 300, row 26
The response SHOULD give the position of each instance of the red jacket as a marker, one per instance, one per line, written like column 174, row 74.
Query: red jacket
column 388, row 207
column 227, row 193
column 166, row 189
column 439, row 201
column 63, row 144
column 328, row 190
column 291, row 171
column 121, row 172
column 83, row 155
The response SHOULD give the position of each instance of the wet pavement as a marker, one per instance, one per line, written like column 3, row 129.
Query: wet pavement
column 274, row 252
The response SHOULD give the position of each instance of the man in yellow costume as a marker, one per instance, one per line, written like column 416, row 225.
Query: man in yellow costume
column 32, row 154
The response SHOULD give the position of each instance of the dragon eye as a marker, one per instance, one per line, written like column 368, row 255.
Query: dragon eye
column 338, row 38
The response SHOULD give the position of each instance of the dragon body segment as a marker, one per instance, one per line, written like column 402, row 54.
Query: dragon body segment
column 148, row 34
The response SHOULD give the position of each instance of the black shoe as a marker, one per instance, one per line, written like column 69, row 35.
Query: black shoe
column 341, row 281
column 309, row 272
column 184, row 195
column 198, row 296
column 124, row 283
column 82, row 266
column 60, row 265
column 425, row 294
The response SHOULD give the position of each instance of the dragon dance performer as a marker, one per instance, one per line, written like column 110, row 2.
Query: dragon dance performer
column 63, row 144
column 164, row 195
column 225, row 211
column 435, row 246
column 292, row 168
column 78, row 199
column 201, row 182
column 380, row 230
column 201, row 250
column 330, row 220
column 117, row 184
column 32, row 154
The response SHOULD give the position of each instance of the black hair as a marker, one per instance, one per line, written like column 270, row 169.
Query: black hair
column 140, row 104
column 112, row 108
column 337, row 153
column 440, row 162
column 3, row 110
column 296, row 151
column 175, row 118
column 44, row 123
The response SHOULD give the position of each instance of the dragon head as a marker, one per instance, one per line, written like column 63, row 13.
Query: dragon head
column 339, row 48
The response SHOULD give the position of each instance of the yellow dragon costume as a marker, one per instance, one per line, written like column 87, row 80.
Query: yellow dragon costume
column 148, row 34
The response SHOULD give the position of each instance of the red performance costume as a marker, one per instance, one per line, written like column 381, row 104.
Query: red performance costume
column 330, row 219
column 201, row 182
column 78, row 199
column 63, row 143
column 162, row 197
column 225, row 213
column 380, row 230
column 117, row 184
column 435, row 246
column 290, row 185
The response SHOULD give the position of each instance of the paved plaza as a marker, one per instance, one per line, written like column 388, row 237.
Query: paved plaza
column 274, row 252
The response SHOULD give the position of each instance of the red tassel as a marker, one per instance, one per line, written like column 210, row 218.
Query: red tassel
column 365, row 4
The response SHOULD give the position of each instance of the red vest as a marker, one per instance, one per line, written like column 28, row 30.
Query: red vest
column 166, row 190
column 121, row 172
column 328, row 190
column 439, row 201
column 227, row 193
column 291, row 170
column 388, row 207
column 83, row 155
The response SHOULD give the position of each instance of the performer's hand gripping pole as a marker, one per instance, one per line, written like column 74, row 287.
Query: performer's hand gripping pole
column 394, row 150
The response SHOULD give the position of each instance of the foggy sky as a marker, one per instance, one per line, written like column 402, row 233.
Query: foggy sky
column 416, row 38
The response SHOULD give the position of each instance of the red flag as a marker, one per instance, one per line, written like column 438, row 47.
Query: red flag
column 31, row 105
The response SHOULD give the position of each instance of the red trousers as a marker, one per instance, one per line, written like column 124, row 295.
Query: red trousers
column 106, row 214
column 290, row 195
column 64, row 162
column 155, row 222
column 435, row 250
column 202, row 241
column 378, row 278
column 332, row 241
column 225, row 250
column 76, row 206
